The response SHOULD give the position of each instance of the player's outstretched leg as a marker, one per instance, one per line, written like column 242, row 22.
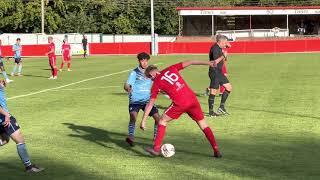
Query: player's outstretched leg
column 161, row 131
column 209, row 134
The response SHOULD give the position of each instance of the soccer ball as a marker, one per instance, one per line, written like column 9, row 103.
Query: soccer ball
column 167, row 150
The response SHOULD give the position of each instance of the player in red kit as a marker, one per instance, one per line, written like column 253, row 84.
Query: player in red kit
column 66, row 54
column 52, row 58
column 183, row 99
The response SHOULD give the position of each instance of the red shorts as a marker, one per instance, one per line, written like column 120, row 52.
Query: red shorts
column 66, row 58
column 53, row 60
column 193, row 110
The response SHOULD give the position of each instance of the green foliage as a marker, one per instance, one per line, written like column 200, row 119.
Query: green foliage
column 109, row 16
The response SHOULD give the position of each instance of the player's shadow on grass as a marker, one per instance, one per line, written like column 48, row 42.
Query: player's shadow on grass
column 276, row 112
column 120, row 94
column 103, row 137
column 30, row 75
column 54, row 169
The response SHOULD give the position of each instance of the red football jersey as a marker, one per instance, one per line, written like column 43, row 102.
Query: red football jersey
column 170, row 81
column 66, row 49
column 52, row 47
column 0, row 51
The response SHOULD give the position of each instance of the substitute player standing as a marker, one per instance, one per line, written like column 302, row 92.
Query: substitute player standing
column 84, row 46
column 183, row 99
column 17, row 49
column 217, row 77
column 52, row 58
column 2, row 66
column 66, row 55
column 138, row 87
column 9, row 128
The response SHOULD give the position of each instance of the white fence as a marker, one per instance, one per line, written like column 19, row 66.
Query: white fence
column 75, row 39
column 31, row 39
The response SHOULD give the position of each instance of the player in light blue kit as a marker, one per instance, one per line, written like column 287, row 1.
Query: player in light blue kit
column 2, row 65
column 16, row 48
column 138, row 87
column 9, row 128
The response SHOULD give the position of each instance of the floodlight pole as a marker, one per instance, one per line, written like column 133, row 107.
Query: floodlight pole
column 153, row 48
column 42, row 16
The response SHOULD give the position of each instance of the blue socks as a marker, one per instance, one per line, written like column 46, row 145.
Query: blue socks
column 155, row 130
column 22, row 151
column 5, row 75
column 131, row 128
column 14, row 69
column 20, row 69
column 132, row 125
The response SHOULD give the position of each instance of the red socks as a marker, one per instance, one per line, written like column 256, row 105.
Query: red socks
column 55, row 72
column 61, row 66
column 209, row 134
column 160, row 135
column 222, row 89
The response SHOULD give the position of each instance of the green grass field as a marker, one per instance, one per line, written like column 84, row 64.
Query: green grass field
column 78, row 131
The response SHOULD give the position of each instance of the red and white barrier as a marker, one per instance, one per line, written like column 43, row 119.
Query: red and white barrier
column 240, row 47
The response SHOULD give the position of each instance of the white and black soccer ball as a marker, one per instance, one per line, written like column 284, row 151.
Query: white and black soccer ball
column 167, row 150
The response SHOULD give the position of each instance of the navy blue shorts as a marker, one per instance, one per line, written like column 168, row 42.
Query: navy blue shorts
column 13, row 127
column 137, row 107
column 1, row 64
column 17, row 60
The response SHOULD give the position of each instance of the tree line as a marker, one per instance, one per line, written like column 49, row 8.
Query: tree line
column 109, row 16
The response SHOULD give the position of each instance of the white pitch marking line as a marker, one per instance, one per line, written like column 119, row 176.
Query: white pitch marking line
column 78, row 82
column 78, row 89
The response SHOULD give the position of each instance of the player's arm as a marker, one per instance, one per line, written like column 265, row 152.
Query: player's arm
column 131, row 80
column 217, row 51
column 221, row 58
column 14, row 49
column 228, row 45
column 62, row 51
column 127, row 87
column 146, row 113
column 154, row 93
column 6, row 115
column 196, row 62
column 51, row 51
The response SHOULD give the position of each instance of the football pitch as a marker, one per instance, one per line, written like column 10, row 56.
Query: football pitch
column 75, row 126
